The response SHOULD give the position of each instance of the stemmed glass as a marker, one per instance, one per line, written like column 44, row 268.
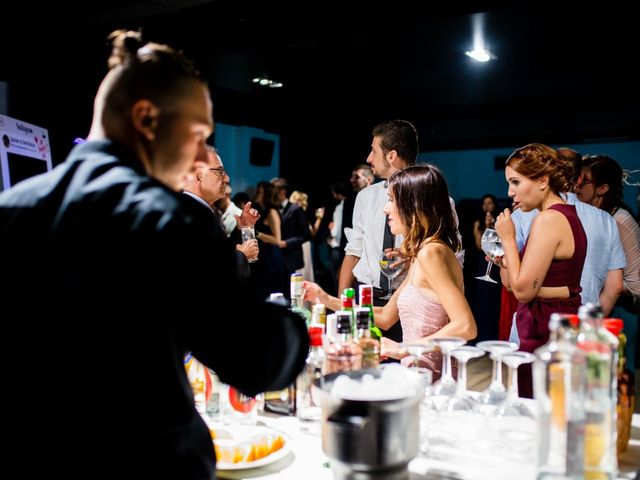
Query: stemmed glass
column 391, row 269
column 492, row 246
column 428, row 409
column 512, row 406
column 462, row 401
column 446, row 386
column 495, row 392
column 415, row 351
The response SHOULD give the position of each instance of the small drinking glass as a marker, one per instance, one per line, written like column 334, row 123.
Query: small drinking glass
column 391, row 269
column 248, row 233
column 492, row 246
column 495, row 393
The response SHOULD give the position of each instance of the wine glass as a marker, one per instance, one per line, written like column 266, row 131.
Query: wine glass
column 492, row 246
column 446, row 386
column 512, row 406
column 415, row 350
column 391, row 269
column 428, row 409
column 495, row 392
column 461, row 400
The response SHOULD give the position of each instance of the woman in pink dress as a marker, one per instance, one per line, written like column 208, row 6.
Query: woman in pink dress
column 430, row 303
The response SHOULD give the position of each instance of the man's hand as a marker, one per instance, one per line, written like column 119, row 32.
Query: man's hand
column 249, row 216
column 249, row 249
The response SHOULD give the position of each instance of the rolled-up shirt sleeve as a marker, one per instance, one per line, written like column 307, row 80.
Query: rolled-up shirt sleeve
column 355, row 235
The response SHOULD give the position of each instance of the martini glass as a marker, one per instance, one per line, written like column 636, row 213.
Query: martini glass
column 390, row 268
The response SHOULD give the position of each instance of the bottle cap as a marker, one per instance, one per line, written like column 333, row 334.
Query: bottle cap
column 315, row 336
column 614, row 325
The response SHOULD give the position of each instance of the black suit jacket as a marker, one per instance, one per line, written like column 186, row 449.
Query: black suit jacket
column 242, row 264
column 295, row 231
column 107, row 279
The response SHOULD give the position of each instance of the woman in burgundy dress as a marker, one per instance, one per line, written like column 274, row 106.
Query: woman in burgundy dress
column 545, row 276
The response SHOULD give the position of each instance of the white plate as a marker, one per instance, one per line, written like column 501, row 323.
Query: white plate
column 240, row 433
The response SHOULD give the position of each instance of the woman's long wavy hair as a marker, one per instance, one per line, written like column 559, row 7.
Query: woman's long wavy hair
column 422, row 200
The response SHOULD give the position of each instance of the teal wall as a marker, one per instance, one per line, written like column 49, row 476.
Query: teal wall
column 233, row 144
column 470, row 173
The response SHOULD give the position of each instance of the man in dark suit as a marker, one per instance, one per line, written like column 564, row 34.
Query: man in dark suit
column 294, row 227
column 107, row 280
column 207, row 187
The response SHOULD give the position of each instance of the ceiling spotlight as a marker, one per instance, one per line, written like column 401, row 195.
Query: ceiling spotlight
column 480, row 54
column 267, row 82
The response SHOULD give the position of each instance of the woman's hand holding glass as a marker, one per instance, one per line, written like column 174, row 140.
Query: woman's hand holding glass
column 391, row 267
column 492, row 246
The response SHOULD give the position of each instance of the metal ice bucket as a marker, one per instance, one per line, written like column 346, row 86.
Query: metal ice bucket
column 368, row 438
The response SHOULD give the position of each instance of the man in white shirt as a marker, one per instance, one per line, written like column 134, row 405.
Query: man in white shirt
column 229, row 211
column 394, row 147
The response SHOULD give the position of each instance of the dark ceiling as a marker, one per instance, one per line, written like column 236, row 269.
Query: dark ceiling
column 562, row 75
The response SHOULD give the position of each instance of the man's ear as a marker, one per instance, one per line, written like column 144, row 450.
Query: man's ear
column 392, row 156
column 602, row 189
column 144, row 116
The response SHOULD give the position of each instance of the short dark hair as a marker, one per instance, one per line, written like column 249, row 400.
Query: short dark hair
column 398, row 135
column 147, row 70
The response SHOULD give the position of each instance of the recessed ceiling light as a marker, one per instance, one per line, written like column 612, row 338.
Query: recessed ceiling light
column 480, row 54
column 267, row 82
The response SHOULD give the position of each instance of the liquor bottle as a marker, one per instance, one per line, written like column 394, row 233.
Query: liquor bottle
column 284, row 401
column 199, row 379
column 319, row 315
column 344, row 355
column 626, row 387
column 366, row 301
column 559, row 376
column 297, row 303
column 348, row 299
column 370, row 346
column 308, row 400
column 601, row 348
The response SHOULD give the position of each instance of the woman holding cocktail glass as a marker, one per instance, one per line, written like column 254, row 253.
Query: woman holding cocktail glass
column 430, row 303
column 545, row 275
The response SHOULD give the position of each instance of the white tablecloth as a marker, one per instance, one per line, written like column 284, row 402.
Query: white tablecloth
column 306, row 461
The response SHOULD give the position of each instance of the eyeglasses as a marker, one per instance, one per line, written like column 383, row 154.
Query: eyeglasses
column 220, row 171
column 582, row 181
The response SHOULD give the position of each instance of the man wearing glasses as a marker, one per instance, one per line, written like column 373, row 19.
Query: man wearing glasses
column 207, row 187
